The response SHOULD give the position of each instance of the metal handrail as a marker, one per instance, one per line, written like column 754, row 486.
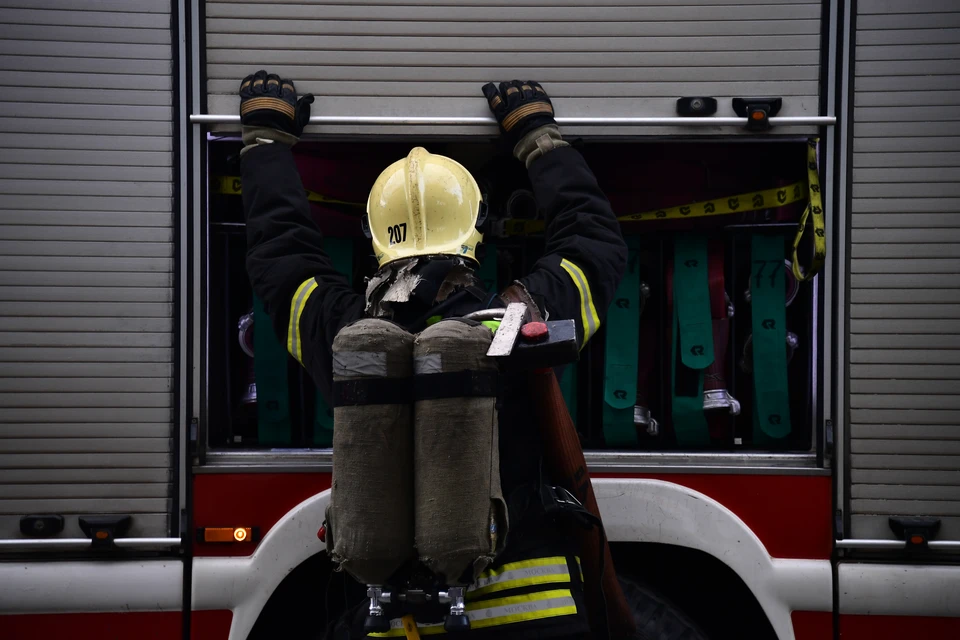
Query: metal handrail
column 877, row 545
column 71, row 544
column 570, row 121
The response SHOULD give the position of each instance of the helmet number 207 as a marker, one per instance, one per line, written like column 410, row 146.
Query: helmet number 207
column 398, row 233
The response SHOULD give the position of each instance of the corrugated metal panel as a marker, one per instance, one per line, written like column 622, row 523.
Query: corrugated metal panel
column 619, row 58
column 904, row 344
column 86, row 262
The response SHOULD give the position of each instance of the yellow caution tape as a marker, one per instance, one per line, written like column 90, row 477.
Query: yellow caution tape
column 752, row 201
column 231, row 186
column 815, row 210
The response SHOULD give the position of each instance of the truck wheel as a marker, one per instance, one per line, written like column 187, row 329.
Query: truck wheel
column 656, row 617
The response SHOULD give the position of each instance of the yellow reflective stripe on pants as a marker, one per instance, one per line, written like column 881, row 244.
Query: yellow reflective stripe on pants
column 512, row 609
column 588, row 313
column 501, row 611
column 297, row 305
column 521, row 574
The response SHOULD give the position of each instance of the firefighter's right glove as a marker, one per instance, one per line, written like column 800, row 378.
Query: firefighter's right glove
column 270, row 111
column 525, row 115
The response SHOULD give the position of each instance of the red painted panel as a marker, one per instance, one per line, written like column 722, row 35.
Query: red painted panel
column 210, row 625
column 248, row 500
column 163, row 625
column 790, row 514
column 152, row 625
column 812, row 625
column 898, row 627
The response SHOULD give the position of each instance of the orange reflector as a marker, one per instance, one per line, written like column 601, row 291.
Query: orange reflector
column 757, row 115
column 102, row 535
column 916, row 539
column 227, row 534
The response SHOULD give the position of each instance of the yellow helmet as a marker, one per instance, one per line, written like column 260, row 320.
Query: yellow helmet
column 425, row 204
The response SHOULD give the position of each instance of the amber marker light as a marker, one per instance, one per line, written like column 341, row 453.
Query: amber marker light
column 227, row 534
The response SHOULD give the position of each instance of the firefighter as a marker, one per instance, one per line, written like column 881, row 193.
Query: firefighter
column 309, row 302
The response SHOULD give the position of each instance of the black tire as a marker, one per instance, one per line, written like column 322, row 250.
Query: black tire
column 656, row 617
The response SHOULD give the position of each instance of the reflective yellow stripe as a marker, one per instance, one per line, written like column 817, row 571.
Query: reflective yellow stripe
column 532, row 606
column 588, row 313
column 565, row 610
column 521, row 574
column 501, row 611
column 297, row 305
column 523, row 564
column 516, row 583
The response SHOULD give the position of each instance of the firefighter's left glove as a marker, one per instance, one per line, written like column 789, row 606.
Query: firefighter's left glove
column 270, row 111
column 524, row 113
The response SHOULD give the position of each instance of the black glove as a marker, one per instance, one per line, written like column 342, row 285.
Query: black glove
column 520, row 107
column 267, row 101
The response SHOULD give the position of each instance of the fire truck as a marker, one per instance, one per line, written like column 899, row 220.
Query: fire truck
column 164, row 463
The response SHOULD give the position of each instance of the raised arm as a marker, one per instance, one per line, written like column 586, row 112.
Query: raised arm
column 307, row 299
column 585, row 255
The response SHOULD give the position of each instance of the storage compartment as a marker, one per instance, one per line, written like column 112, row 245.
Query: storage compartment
column 729, row 207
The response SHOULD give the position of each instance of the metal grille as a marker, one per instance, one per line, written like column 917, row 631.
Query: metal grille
column 904, row 298
column 623, row 58
column 86, row 262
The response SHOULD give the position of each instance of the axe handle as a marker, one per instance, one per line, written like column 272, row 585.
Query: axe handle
column 606, row 604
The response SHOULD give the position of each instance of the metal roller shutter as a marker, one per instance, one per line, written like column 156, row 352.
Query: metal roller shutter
column 905, row 236
column 429, row 58
column 86, row 262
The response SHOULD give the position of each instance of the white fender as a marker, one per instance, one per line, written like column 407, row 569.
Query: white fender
column 634, row 510
column 637, row 510
column 88, row 586
column 245, row 584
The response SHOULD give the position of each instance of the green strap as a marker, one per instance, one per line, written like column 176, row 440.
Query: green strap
column 488, row 268
column 340, row 252
column 568, row 386
column 689, row 421
column 768, row 314
column 691, row 298
column 621, row 352
column 273, row 392
column 693, row 336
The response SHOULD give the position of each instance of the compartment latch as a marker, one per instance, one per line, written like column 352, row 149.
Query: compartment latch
column 757, row 111
column 915, row 531
column 103, row 530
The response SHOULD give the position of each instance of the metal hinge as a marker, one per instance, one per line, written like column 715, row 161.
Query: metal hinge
column 828, row 444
